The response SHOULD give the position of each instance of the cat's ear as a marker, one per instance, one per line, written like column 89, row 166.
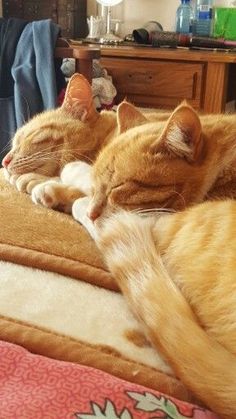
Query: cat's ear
column 78, row 99
column 182, row 134
column 128, row 116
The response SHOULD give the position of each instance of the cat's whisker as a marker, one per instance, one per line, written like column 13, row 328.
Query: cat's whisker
column 181, row 196
column 46, row 151
column 7, row 147
column 27, row 164
column 48, row 156
column 33, row 157
column 75, row 155
column 70, row 152
column 150, row 211
column 86, row 157
column 136, row 210
column 55, row 146
column 26, row 167
column 52, row 149
column 44, row 171
column 8, row 132
column 162, row 209
column 27, row 109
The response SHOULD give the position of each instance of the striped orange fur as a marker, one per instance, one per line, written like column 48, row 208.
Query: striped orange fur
column 178, row 273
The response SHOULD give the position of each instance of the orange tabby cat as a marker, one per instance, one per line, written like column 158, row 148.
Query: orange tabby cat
column 192, row 320
column 178, row 273
column 42, row 147
column 170, row 164
column 76, row 131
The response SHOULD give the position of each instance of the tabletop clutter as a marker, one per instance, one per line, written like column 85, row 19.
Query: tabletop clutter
column 199, row 24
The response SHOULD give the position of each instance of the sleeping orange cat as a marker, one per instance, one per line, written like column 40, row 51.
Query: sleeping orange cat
column 176, row 177
column 176, row 270
column 75, row 131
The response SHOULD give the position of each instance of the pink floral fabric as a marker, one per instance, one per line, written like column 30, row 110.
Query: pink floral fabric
column 33, row 386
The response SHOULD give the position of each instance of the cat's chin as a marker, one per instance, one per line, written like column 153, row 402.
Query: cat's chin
column 6, row 174
column 79, row 213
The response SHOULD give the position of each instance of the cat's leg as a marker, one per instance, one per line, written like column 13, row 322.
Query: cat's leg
column 27, row 181
column 127, row 244
column 78, row 175
column 79, row 212
column 55, row 195
column 74, row 182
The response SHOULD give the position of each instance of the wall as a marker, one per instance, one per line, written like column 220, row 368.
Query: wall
column 134, row 13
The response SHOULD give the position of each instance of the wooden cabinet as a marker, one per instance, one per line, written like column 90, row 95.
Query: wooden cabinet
column 71, row 15
column 164, row 77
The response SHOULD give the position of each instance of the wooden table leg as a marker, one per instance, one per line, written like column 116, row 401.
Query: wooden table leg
column 85, row 67
column 83, row 55
column 215, row 88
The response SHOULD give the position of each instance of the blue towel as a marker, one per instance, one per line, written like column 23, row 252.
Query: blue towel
column 10, row 32
column 33, row 72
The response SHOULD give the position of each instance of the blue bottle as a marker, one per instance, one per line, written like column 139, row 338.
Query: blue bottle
column 184, row 17
column 203, row 18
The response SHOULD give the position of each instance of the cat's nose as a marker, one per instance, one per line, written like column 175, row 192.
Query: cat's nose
column 93, row 213
column 96, row 206
column 6, row 160
column 94, row 209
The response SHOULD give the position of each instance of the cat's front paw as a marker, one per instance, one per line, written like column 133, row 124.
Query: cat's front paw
column 12, row 179
column 27, row 181
column 6, row 174
column 45, row 194
column 51, row 194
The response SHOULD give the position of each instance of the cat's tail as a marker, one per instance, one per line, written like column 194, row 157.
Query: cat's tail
column 200, row 362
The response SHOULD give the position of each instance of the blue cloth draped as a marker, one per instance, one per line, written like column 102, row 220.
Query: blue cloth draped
column 33, row 73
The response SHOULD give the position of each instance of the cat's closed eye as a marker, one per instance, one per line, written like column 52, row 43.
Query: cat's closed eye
column 137, row 193
column 156, row 186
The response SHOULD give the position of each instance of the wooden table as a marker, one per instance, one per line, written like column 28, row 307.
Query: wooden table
column 163, row 77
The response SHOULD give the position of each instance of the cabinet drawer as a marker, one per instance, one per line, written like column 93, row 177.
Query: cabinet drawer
column 156, row 83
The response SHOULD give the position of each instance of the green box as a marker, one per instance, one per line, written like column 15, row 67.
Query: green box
column 225, row 23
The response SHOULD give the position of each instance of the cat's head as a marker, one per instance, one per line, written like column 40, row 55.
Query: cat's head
column 154, row 165
column 54, row 137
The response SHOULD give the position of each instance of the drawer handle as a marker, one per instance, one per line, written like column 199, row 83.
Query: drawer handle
column 140, row 77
